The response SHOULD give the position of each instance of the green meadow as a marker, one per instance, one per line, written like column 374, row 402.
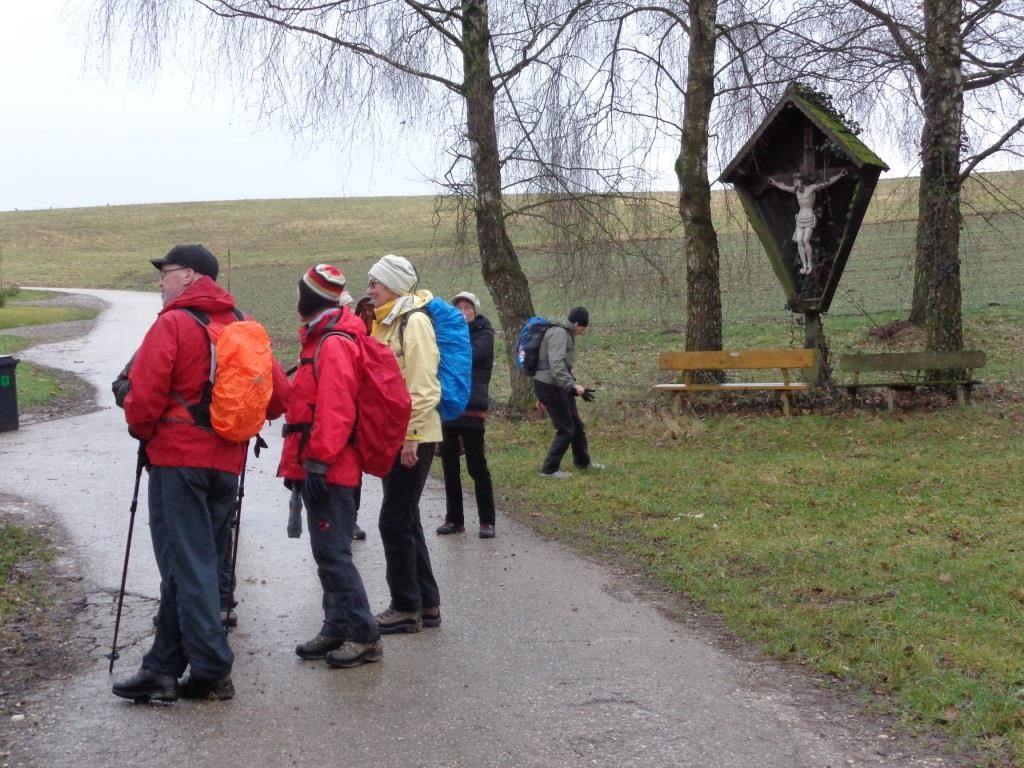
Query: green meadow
column 882, row 550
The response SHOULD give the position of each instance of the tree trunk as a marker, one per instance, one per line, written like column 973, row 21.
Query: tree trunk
column 502, row 273
column 937, row 274
column 703, row 293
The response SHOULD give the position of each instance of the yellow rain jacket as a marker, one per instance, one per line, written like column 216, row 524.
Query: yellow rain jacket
column 418, row 357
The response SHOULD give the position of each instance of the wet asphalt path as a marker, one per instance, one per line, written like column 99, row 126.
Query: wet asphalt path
column 544, row 658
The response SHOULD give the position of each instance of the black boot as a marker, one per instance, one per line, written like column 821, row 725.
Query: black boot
column 208, row 690
column 318, row 647
column 146, row 685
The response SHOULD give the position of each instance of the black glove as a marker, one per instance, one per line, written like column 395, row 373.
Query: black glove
column 289, row 484
column 588, row 395
column 121, row 386
column 143, row 456
column 316, row 486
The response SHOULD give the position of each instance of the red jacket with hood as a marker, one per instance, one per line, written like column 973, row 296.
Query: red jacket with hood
column 326, row 400
column 175, row 358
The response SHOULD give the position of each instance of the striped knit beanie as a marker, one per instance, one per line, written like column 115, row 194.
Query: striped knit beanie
column 321, row 287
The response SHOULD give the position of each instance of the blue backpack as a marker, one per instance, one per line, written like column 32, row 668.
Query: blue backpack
column 455, row 371
column 528, row 344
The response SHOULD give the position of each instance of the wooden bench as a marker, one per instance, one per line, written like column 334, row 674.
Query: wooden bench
column 909, row 370
column 783, row 360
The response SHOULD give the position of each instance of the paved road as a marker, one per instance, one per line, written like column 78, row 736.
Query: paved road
column 544, row 659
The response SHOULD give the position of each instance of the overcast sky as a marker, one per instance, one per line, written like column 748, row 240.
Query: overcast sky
column 72, row 134
column 71, row 137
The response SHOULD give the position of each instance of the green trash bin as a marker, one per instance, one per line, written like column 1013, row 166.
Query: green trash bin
column 8, row 394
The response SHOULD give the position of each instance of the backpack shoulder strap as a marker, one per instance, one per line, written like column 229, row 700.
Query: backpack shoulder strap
column 200, row 411
column 320, row 343
column 405, row 320
column 204, row 319
column 200, row 317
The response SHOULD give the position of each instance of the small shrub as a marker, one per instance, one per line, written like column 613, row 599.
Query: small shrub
column 9, row 292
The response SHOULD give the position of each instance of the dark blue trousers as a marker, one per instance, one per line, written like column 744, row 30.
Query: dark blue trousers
column 330, row 521
column 190, row 511
column 410, row 577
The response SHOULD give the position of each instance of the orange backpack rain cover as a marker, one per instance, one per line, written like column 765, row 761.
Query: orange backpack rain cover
column 243, row 379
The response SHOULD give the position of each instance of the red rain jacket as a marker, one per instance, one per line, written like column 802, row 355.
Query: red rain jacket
column 325, row 400
column 175, row 357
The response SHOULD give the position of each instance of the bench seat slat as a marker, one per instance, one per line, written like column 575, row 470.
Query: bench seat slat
column 910, row 384
column 793, row 386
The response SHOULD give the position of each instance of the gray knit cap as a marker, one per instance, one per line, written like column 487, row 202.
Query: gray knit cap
column 467, row 296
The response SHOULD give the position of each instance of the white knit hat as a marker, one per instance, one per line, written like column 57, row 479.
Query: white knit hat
column 396, row 272
column 470, row 297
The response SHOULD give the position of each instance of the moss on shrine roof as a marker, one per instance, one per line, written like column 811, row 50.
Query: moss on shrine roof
column 816, row 107
column 831, row 123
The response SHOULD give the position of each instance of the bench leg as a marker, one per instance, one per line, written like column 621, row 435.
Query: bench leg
column 851, row 398
column 785, row 403
column 960, row 398
column 890, row 399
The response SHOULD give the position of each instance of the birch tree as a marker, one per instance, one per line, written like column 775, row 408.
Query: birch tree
column 451, row 64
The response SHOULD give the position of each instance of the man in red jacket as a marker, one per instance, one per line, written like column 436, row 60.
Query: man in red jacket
column 319, row 457
column 193, row 482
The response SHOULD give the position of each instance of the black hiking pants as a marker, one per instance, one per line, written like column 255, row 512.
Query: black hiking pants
column 409, row 575
column 472, row 440
column 569, row 429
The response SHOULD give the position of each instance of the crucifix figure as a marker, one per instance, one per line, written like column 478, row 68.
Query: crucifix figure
column 805, row 217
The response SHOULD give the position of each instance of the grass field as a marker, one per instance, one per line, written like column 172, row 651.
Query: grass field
column 881, row 549
column 34, row 385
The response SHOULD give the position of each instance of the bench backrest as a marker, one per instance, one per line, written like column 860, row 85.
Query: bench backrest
column 912, row 361
column 742, row 359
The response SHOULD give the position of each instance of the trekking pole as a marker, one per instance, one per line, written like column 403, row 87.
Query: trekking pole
column 237, row 523
column 114, row 655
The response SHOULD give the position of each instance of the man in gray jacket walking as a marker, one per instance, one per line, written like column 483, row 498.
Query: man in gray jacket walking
column 556, row 387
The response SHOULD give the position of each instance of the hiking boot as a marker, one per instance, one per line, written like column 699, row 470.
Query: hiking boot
column 590, row 466
column 557, row 473
column 431, row 617
column 191, row 687
column 358, row 533
column 486, row 531
column 318, row 647
column 352, row 654
column 449, row 528
column 146, row 685
column 390, row 621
